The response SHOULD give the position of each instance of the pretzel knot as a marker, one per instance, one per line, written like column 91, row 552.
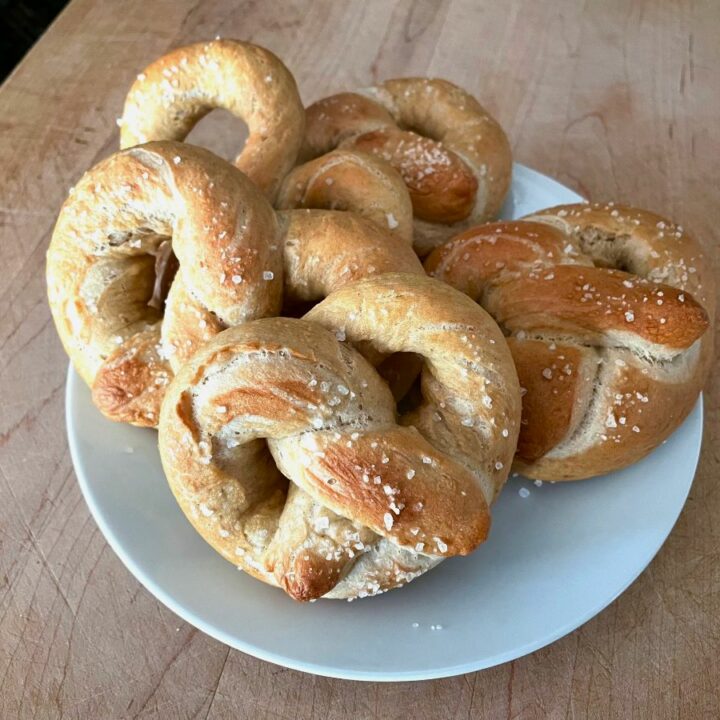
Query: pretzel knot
column 609, row 343
column 177, row 90
column 170, row 215
column 371, row 502
column 453, row 156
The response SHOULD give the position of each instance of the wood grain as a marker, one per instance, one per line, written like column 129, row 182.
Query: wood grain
column 617, row 99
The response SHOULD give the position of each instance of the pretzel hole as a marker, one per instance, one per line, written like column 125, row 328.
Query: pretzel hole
column 166, row 265
column 423, row 131
column 297, row 308
column 608, row 250
column 401, row 371
column 220, row 132
column 412, row 399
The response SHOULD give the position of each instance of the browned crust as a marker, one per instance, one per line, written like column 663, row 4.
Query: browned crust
column 336, row 118
column 537, row 278
column 442, row 187
column 591, row 302
column 131, row 383
column 178, row 89
column 398, row 498
column 232, row 248
column 101, row 258
column 454, row 157
column 658, row 248
column 645, row 413
column 557, row 383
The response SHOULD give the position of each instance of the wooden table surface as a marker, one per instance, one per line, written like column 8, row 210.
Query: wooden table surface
column 619, row 100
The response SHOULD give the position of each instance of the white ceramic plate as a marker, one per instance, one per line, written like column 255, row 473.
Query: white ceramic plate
column 554, row 558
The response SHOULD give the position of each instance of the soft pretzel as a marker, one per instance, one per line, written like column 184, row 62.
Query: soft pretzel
column 173, row 93
column 233, row 252
column 453, row 156
column 608, row 310
column 371, row 503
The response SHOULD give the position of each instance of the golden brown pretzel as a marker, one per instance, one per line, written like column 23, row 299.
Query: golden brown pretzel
column 173, row 93
column 453, row 156
column 233, row 250
column 612, row 360
column 371, row 503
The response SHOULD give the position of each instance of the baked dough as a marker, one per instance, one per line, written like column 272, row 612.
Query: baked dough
column 372, row 501
column 609, row 314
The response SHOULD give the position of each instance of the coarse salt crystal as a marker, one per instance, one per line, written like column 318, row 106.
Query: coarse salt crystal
column 523, row 492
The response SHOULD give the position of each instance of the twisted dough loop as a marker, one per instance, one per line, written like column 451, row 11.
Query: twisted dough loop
column 231, row 247
column 371, row 504
column 612, row 360
column 101, row 270
column 453, row 156
column 353, row 181
column 173, row 93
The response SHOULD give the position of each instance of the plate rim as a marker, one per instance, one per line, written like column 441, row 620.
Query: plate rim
column 314, row 668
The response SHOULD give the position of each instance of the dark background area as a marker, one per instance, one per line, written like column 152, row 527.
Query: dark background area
column 22, row 22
